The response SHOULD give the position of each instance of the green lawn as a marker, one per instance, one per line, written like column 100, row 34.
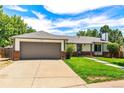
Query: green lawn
column 117, row 61
column 92, row 71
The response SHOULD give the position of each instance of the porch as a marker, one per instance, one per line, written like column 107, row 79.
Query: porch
column 94, row 49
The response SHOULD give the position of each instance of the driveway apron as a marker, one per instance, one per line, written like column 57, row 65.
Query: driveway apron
column 39, row 74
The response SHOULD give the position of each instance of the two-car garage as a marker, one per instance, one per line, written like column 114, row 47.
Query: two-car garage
column 38, row 45
column 40, row 50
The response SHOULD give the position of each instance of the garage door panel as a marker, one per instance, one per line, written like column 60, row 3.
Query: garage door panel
column 37, row 50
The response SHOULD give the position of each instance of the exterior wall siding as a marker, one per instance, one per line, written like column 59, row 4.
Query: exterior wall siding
column 86, row 48
column 105, row 48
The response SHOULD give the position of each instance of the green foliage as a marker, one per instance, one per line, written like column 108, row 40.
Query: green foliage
column 10, row 26
column 1, row 8
column 114, row 35
column 92, row 71
column 89, row 32
column 70, row 48
column 113, row 48
column 117, row 61
column 105, row 29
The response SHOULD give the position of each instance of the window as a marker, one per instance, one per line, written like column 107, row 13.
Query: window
column 97, row 48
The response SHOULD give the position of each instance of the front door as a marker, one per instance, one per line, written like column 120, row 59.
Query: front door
column 98, row 49
column 79, row 49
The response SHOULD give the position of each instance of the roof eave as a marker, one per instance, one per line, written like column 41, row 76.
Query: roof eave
column 40, row 38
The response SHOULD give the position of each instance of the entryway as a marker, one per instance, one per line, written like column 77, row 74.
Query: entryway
column 79, row 49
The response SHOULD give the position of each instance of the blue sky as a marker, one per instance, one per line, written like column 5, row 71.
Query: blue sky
column 68, row 20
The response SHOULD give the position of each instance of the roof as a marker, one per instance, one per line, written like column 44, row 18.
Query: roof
column 40, row 35
column 84, row 39
column 71, row 39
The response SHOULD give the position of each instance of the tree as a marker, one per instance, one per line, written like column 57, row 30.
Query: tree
column 105, row 29
column 114, row 35
column 113, row 48
column 89, row 32
column 95, row 33
column 10, row 26
column 81, row 33
column 1, row 8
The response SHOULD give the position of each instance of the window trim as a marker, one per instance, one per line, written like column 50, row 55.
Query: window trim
column 97, row 48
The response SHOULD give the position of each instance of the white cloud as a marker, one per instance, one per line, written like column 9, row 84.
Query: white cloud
column 41, row 23
column 80, row 22
column 21, row 2
column 65, row 23
column 17, row 8
column 39, row 15
column 77, row 6
column 104, row 20
column 65, row 6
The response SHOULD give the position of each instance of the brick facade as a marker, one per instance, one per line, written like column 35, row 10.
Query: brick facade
column 86, row 53
column 106, row 54
column 63, row 55
column 16, row 55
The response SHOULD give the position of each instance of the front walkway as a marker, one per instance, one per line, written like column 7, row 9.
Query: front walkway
column 106, row 63
column 39, row 74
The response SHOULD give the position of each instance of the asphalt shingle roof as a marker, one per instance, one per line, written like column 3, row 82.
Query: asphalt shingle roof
column 71, row 39
column 40, row 35
column 84, row 39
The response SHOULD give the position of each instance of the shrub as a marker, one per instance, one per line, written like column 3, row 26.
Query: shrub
column 113, row 48
column 69, row 51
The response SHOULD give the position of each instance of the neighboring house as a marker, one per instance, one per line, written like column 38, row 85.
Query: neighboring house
column 43, row 45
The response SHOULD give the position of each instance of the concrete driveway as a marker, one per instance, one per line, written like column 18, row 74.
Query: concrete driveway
column 39, row 74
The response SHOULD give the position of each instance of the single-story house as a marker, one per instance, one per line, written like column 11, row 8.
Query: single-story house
column 43, row 45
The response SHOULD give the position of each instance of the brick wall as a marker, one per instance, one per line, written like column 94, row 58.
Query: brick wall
column 16, row 55
column 63, row 55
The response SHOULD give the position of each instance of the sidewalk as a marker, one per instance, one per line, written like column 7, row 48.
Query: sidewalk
column 108, row 84
column 106, row 63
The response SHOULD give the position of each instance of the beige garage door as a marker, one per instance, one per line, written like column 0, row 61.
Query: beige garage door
column 38, row 50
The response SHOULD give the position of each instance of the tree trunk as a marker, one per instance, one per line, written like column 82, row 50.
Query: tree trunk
column 112, row 55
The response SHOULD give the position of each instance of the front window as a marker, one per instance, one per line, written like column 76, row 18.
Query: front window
column 97, row 48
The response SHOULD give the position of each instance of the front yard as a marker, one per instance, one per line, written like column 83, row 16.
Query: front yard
column 4, row 64
column 117, row 61
column 92, row 71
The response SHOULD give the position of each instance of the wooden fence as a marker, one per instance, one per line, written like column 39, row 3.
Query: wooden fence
column 5, row 52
